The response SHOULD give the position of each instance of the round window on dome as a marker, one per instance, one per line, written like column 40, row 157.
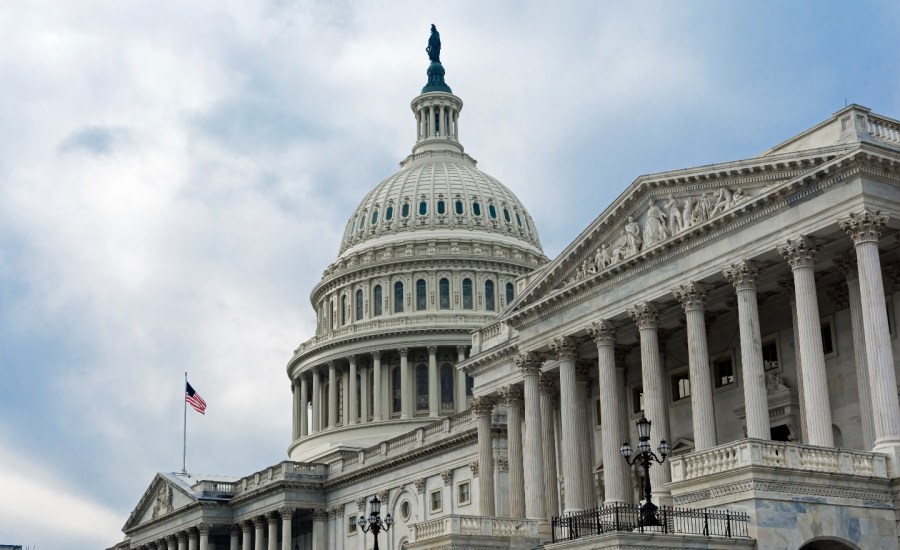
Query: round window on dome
column 476, row 209
column 459, row 208
column 374, row 218
column 389, row 213
column 423, row 208
column 404, row 210
column 506, row 216
column 492, row 212
column 441, row 207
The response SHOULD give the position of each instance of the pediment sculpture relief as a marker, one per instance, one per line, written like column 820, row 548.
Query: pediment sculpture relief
column 661, row 221
column 163, row 503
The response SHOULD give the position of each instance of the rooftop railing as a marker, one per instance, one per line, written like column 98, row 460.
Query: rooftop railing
column 883, row 128
column 474, row 525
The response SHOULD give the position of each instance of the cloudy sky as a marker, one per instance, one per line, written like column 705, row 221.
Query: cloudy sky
column 174, row 177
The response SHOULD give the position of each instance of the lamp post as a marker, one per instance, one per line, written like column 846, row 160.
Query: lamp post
column 647, row 457
column 374, row 522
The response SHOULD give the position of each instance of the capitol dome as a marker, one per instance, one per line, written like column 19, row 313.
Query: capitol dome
column 432, row 253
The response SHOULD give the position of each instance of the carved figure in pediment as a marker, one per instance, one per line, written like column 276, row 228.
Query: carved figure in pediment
column 602, row 259
column 701, row 210
column 687, row 215
column 675, row 223
column 163, row 504
column 633, row 240
column 655, row 226
column 738, row 197
column 722, row 201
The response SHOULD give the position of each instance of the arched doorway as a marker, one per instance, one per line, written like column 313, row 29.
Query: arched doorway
column 826, row 543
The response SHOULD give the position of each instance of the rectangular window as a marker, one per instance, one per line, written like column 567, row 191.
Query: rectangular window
column 723, row 370
column 436, row 498
column 463, row 493
column 637, row 399
column 770, row 354
column 351, row 525
column 827, row 338
column 681, row 386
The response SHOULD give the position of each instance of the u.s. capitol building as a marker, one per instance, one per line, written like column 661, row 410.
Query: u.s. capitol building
column 482, row 392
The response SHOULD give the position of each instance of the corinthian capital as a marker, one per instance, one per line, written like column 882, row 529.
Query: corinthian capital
column 865, row 226
column 512, row 395
column 563, row 347
column 483, row 405
column 846, row 264
column 800, row 252
column 744, row 275
column 529, row 362
column 645, row 315
column 603, row 332
column 691, row 295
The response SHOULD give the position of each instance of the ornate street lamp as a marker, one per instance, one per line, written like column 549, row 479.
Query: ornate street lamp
column 374, row 522
column 647, row 457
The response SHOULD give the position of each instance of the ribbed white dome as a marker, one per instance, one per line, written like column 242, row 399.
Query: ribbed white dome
column 437, row 191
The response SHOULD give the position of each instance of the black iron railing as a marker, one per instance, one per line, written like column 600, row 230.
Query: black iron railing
column 627, row 517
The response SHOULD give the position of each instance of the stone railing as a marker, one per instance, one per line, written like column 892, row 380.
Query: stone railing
column 284, row 471
column 774, row 454
column 491, row 336
column 883, row 129
column 474, row 525
column 216, row 488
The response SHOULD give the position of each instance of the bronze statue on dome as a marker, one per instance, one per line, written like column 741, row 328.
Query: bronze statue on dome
column 434, row 45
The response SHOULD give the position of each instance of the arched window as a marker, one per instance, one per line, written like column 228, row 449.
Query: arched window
column 447, row 376
column 398, row 297
column 459, row 207
column 441, row 207
column 505, row 216
column 476, row 209
column 359, row 305
column 396, row 401
column 518, row 219
column 376, row 300
column 389, row 213
column 467, row 293
column 489, row 295
column 423, row 208
column 422, row 388
column 404, row 210
column 444, row 287
column 509, row 293
column 492, row 211
column 421, row 298
column 343, row 310
column 374, row 218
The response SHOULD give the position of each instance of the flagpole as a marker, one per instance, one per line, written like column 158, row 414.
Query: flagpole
column 184, row 441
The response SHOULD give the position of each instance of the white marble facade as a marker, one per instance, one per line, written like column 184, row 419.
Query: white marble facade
column 746, row 308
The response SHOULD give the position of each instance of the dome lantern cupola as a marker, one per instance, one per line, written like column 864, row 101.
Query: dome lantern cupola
column 436, row 109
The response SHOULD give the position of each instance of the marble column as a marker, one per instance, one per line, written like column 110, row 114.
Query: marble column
column 376, row 386
column 259, row 537
column 295, row 394
column 172, row 542
column 622, row 385
column 318, row 531
column 193, row 539
column 512, row 397
column 646, row 316
column 273, row 531
column 316, row 400
column 846, row 264
column 350, row 395
column 304, row 407
column 332, row 396
column 573, row 463
column 787, row 286
column 246, row 536
column 235, row 541
column 345, row 398
column 744, row 275
column 287, row 527
column 483, row 407
column 460, row 387
column 801, row 255
column 865, row 229
column 612, row 409
column 434, row 391
column 364, row 392
column 548, row 446
column 182, row 540
column 693, row 300
column 405, row 389
column 203, row 529
column 533, row 453
column 584, row 400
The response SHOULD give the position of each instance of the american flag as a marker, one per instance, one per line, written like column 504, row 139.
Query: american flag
column 194, row 399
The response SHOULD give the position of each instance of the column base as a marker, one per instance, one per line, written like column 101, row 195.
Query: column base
column 889, row 446
column 662, row 497
column 545, row 532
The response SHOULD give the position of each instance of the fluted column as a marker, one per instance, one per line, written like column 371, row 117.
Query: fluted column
column 316, row 400
column 865, row 228
column 376, row 386
column 345, row 397
column 459, row 395
column 787, row 286
column 693, row 300
column 646, row 316
column 287, row 527
column 318, row 531
column 612, row 410
column 273, row 531
column 572, row 461
column 801, row 255
column 203, row 529
column 585, row 435
column 246, row 536
column 847, row 265
column 182, row 540
column 405, row 390
column 259, row 537
column 744, row 275
column 548, row 446
column 622, row 385
column 364, row 392
column 483, row 407
column 235, row 542
column 512, row 397
column 434, row 392
column 302, row 388
column 350, row 396
column 295, row 417
column 332, row 396
column 172, row 542
column 533, row 453
column 193, row 539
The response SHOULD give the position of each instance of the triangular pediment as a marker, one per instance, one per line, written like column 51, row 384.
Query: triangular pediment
column 164, row 495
